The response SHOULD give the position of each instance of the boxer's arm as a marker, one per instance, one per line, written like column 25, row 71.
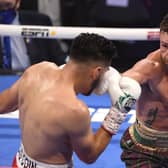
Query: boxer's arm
column 143, row 70
column 122, row 90
column 87, row 145
column 9, row 99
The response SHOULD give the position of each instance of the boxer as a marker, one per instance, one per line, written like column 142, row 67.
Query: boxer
column 145, row 143
column 54, row 122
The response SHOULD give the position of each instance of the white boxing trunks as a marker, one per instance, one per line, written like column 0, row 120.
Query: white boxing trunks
column 24, row 161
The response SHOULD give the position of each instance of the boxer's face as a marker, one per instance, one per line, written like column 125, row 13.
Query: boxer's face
column 164, row 46
column 9, row 4
column 97, row 73
column 92, row 87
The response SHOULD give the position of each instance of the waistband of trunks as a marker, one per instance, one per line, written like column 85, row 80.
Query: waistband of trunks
column 23, row 160
column 149, row 137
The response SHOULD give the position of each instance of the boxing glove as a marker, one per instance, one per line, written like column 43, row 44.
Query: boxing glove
column 113, row 120
column 123, row 91
column 125, row 102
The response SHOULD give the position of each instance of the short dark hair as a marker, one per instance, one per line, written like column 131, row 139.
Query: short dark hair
column 164, row 24
column 88, row 47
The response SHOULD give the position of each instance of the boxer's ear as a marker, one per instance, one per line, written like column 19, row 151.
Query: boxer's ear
column 97, row 72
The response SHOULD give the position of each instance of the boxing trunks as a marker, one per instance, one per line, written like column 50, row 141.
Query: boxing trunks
column 143, row 146
column 22, row 160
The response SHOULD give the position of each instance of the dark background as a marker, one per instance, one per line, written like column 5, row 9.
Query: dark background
column 95, row 13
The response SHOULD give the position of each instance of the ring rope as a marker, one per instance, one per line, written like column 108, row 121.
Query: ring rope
column 62, row 32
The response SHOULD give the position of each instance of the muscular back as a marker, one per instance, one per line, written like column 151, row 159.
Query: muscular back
column 43, row 111
column 153, row 103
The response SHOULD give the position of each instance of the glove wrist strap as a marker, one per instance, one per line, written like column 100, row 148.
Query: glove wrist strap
column 113, row 120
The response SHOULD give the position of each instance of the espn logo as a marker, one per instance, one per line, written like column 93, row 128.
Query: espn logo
column 34, row 32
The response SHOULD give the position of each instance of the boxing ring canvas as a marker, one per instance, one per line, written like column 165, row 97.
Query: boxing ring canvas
column 98, row 106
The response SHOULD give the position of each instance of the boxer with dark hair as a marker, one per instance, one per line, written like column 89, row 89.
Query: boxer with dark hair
column 53, row 121
column 145, row 143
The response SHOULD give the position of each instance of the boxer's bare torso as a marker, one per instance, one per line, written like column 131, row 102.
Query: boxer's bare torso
column 152, row 107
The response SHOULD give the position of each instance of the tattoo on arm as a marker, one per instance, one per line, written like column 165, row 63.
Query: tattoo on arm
column 151, row 116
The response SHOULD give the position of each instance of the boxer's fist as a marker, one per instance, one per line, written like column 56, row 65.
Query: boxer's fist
column 123, row 91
